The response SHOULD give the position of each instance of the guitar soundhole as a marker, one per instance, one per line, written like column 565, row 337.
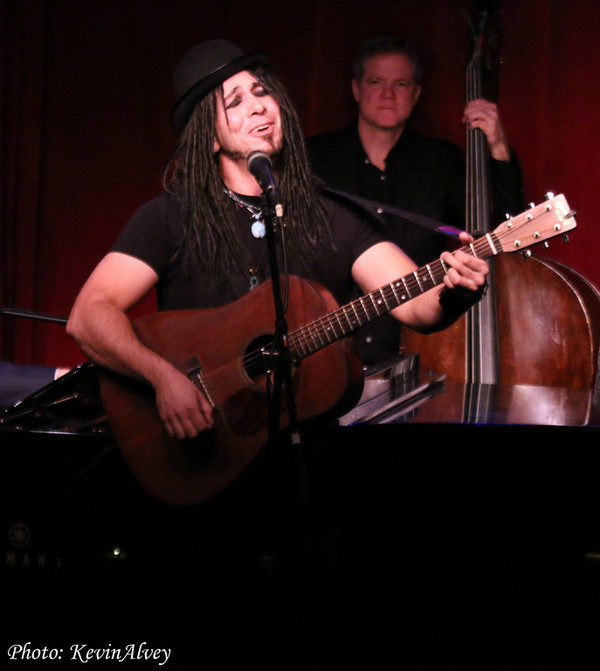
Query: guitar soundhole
column 257, row 359
column 247, row 410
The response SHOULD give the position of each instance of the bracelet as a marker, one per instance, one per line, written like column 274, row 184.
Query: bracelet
column 457, row 301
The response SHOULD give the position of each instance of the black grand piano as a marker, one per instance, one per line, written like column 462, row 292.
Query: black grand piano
column 463, row 523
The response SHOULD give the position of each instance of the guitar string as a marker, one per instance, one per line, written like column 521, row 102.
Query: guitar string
column 323, row 327
column 369, row 306
column 320, row 327
column 412, row 283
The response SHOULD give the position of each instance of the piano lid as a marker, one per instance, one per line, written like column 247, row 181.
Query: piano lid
column 70, row 404
column 396, row 393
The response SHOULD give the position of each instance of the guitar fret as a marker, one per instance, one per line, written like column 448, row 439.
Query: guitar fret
column 317, row 341
column 485, row 247
column 332, row 334
column 383, row 299
column 388, row 297
column 357, row 306
column 335, row 325
column 416, row 276
column 353, row 324
column 296, row 345
column 377, row 303
column 370, row 296
column 402, row 297
column 365, row 311
column 307, row 339
column 319, row 336
column 403, row 280
column 328, row 330
column 338, row 315
column 425, row 278
column 430, row 274
column 435, row 278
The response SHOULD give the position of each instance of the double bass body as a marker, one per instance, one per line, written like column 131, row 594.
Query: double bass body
column 539, row 322
column 547, row 318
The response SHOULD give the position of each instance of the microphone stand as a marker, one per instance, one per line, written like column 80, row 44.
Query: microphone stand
column 28, row 314
column 280, row 360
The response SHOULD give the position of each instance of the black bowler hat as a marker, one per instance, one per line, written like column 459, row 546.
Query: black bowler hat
column 202, row 69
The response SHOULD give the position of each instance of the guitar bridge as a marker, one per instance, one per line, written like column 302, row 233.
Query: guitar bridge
column 195, row 375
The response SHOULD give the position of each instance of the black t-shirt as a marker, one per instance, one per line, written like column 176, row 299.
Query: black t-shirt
column 154, row 235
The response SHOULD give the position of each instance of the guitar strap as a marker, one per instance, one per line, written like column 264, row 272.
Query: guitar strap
column 375, row 209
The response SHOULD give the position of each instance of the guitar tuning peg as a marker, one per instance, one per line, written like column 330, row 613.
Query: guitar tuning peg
column 549, row 195
column 531, row 206
column 546, row 244
column 526, row 253
column 571, row 214
column 565, row 237
column 507, row 216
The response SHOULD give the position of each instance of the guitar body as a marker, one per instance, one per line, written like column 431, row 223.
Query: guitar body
column 225, row 342
column 226, row 353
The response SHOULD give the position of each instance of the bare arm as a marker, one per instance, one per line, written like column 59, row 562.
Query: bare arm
column 100, row 325
column 385, row 262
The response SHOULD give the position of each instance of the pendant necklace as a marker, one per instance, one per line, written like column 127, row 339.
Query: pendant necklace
column 254, row 271
column 258, row 225
column 258, row 231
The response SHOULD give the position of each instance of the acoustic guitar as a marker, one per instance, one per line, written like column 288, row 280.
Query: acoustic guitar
column 227, row 353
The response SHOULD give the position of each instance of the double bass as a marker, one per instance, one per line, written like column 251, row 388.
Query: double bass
column 538, row 323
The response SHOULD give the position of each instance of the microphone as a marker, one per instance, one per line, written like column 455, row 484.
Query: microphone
column 259, row 166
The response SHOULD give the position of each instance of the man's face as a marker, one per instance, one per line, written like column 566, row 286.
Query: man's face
column 248, row 119
column 386, row 93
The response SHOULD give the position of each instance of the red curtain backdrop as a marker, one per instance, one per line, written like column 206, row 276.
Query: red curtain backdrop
column 86, row 98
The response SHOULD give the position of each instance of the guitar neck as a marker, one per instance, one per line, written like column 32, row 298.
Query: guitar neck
column 345, row 320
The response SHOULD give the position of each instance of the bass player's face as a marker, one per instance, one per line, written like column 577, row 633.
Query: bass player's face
column 386, row 93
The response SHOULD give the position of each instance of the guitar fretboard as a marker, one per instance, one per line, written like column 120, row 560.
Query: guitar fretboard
column 348, row 318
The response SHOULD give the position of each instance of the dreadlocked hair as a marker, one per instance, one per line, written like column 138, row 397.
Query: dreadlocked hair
column 210, row 242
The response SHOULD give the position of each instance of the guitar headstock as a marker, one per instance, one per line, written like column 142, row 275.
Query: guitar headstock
column 541, row 222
